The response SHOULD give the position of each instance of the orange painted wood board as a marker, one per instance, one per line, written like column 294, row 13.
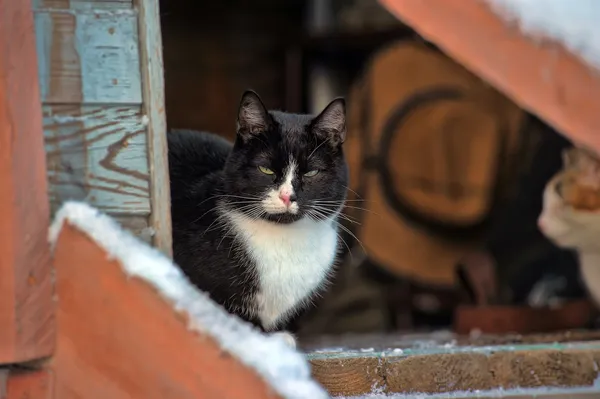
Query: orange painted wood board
column 26, row 306
column 30, row 384
column 545, row 79
column 119, row 339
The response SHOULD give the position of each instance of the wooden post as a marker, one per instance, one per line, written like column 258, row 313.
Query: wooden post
column 153, row 93
column 26, row 306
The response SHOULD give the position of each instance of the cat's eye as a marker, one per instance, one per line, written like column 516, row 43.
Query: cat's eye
column 266, row 171
column 312, row 173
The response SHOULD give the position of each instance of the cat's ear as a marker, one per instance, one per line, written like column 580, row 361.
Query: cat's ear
column 331, row 123
column 253, row 117
column 588, row 166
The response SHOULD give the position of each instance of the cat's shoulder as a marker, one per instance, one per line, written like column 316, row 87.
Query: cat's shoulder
column 186, row 140
column 194, row 154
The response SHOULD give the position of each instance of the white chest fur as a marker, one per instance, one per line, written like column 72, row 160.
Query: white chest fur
column 292, row 260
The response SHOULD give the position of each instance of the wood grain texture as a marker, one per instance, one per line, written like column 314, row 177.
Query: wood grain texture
column 437, row 370
column 83, row 4
column 89, row 56
column 350, row 376
column 119, row 339
column 154, row 109
column 546, row 80
column 26, row 306
column 98, row 155
column 30, row 384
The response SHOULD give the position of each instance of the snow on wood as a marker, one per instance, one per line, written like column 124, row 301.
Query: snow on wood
column 574, row 24
column 285, row 369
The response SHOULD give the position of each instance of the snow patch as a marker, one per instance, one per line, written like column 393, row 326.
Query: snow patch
column 284, row 368
column 572, row 23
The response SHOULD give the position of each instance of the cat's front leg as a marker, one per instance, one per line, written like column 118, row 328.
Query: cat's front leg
column 287, row 337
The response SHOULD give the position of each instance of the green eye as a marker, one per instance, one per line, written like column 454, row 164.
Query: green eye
column 312, row 173
column 266, row 171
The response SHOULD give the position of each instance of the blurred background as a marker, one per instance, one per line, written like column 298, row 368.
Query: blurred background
column 441, row 229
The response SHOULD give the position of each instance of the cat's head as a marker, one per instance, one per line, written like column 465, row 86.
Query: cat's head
column 570, row 214
column 284, row 167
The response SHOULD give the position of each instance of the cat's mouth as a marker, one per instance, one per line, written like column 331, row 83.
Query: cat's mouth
column 283, row 218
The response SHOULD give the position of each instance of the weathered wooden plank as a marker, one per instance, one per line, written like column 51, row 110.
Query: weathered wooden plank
column 26, row 306
column 88, row 56
column 154, row 108
column 98, row 155
column 83, row 4
column 96, row 360
column 448, row 368
column 349, row 377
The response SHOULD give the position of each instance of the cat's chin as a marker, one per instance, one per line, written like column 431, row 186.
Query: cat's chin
column 283, row 218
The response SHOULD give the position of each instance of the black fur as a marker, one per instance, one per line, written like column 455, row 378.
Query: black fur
column 209, row 175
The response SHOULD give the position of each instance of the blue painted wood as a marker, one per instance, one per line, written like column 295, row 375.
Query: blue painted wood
column 88, row 56
column 104, row 144
column 83, row 4
column 98, row 155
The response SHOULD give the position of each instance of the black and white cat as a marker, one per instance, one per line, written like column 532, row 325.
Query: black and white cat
column 255, row 223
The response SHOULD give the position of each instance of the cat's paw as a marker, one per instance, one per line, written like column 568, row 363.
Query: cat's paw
column 287, row 338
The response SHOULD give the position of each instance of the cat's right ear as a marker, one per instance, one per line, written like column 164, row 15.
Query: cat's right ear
column 253, row 117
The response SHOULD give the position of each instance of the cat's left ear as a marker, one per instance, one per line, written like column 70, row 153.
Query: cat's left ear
column 331, row 123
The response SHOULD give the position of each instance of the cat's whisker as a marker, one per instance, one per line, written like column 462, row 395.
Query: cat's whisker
column 355, row 207
column 220, row 217
column 314, row 216
column 201, row 216
column 207, row 212
column 352, row 191
column 242, row 203
column 331, row 208
column 226, row 235
column 352, row 235
column 341, row 215
column 338, row 201
column 362, row 209
column 227, row 196
column 346, row 244
column 345, row 206
column 345, row 229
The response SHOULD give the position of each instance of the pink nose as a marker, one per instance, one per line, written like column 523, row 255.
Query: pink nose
column 286, row 198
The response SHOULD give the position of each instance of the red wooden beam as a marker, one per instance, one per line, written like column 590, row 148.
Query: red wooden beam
column 545, row 79
column 26, row 307
column 119, row 339
column 29, row 384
